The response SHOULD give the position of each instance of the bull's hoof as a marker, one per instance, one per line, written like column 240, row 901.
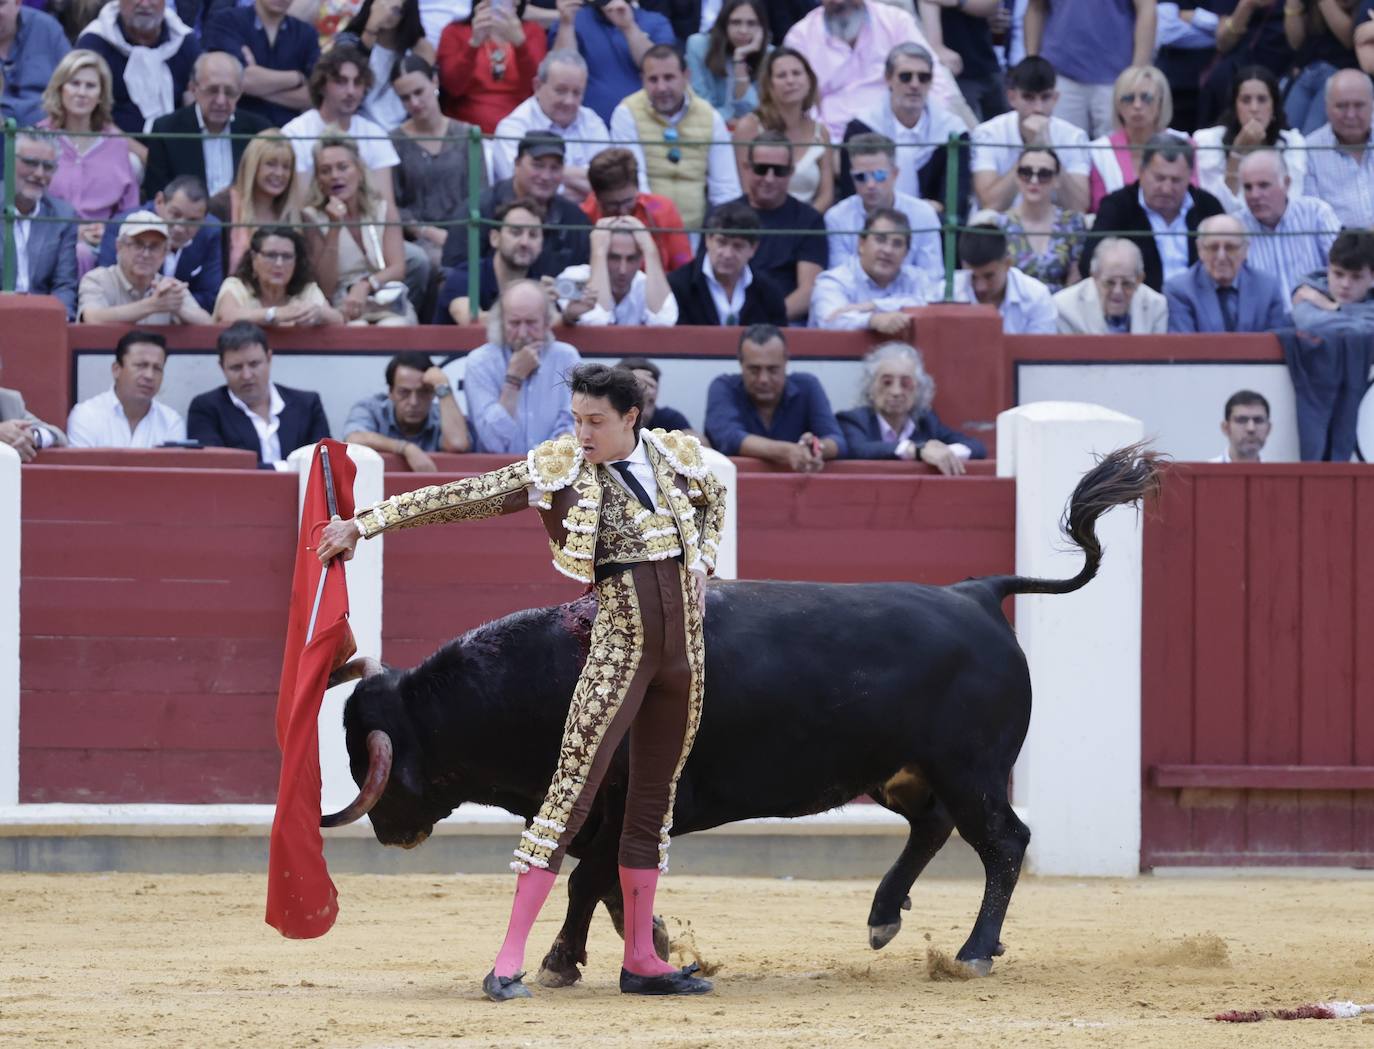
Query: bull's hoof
column 906, row 904
column 555, row 978
column 977, row 966
column 879, row 936
column 663, row 943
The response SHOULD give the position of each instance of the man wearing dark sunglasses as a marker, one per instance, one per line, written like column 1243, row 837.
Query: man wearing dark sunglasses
column 916, row 124
column 790, row 259
column 999, row 141
column 45, row 252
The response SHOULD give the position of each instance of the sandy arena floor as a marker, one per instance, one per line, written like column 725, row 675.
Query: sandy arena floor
column 114, row 960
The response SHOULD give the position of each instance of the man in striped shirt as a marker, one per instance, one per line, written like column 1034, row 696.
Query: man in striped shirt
column 1340, row 162
column 1290, row 236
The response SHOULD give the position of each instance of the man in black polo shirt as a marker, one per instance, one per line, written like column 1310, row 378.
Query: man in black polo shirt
column 791, row 260
column 538, row 176
column 283, row 50
column 516, row 246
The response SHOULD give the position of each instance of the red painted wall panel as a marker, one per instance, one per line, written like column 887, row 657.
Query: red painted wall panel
column 1255, row 660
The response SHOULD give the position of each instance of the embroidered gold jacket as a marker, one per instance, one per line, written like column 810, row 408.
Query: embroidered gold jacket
column 589, row 519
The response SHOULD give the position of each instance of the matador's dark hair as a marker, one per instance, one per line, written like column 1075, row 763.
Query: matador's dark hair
column 617, row 385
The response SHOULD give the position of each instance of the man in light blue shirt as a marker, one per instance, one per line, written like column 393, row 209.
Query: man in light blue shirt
column 873, row 165
column 872, row 288
column 31, row 45
column 516, row 384
column 1290, row 235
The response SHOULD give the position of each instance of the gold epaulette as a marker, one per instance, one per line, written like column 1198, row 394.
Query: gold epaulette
column 555, row 464
column 682, row 450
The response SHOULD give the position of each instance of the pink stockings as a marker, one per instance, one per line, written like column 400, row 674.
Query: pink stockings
column 531, row 890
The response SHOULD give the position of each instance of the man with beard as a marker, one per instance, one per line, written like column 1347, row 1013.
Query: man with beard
column 516, row 248
column 150, row 52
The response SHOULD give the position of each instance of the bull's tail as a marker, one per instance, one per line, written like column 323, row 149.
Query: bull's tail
column 1120, row 478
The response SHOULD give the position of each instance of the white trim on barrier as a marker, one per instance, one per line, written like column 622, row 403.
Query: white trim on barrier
column 10, row 530
column 1078, row 776
column 337, row 788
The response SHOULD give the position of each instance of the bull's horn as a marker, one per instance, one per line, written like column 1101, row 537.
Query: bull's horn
column 378, row 771
column 362, row 667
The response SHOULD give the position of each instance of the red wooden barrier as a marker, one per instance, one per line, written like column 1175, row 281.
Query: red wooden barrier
column 152, row 608
column 1258, row 733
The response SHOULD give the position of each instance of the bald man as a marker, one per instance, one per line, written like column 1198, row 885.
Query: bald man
column 1290, row 234
column 1340, row 166
column 1221, row 292
column 516, row 382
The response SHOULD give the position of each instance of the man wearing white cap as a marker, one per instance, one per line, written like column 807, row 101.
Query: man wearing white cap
column 134, row 290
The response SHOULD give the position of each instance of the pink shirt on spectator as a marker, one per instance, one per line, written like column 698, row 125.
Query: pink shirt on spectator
column 851, row 79
column 98, row 183
column 1106, row 178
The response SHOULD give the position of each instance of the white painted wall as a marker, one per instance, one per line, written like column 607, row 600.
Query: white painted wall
column 1078, row 777
column 9, row 625
column 364, row 574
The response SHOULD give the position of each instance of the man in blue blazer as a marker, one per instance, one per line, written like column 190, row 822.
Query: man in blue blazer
column 250, row 411
column 47, row 262
column 1221, row 292
column 897, row 421
column 193, row 250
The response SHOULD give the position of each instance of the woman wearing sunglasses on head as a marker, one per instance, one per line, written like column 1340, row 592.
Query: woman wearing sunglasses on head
column 1043, row 239
column 1142, row 106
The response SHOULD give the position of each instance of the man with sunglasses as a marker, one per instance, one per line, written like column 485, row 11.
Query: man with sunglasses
column 872, row 162
column 45, row 252
column 988, row 278
column 916, row 125
column 665, row 126
column 789, row 258
column 999, row 141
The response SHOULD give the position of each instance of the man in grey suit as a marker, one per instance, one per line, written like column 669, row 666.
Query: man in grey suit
column 1220, row 292
column 45, row 250
column 22, row 430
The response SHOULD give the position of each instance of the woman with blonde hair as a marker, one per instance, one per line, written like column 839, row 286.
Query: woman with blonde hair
column 1142, row 106
column 788, row 90
column 98, row 168
column 263, row 193
column 354, row 237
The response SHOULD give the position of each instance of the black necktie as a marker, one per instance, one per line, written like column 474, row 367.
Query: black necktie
column 633, row 484
column 1229, row 307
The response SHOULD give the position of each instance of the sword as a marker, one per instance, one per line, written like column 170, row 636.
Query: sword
column 333, row 504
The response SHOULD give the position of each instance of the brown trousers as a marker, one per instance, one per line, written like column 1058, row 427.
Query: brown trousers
column 643, row 676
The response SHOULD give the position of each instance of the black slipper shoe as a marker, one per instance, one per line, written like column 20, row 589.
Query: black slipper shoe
column 504, row 988
column 681, row 982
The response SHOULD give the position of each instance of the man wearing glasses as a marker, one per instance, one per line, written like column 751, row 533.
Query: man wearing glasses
column 134, row 290
column 872, row 161
column 673, row 123
column 916, row 125
column 999, row 141
column 45, row 252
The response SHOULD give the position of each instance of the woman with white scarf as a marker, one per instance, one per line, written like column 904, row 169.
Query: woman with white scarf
column 150, row 51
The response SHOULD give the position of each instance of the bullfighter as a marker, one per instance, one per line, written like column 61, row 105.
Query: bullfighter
column 636, row 515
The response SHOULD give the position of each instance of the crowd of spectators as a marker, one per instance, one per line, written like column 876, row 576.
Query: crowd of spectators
column 1090, row 166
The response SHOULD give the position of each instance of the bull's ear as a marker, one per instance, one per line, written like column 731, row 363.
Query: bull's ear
column 363, row 667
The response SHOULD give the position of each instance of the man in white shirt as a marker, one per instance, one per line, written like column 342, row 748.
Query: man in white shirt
column 989, row 279
column 338, row 84
column 556, row 106
column 997, row 143
column 872, row 162
column 128, row 415
column 1245, row 422
column 873, row 288
column 624, row 284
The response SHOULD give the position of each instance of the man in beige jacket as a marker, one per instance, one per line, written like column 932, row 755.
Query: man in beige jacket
column 1115, row 298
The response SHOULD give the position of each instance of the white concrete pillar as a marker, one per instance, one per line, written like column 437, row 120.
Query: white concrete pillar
column 9, row 625
column 364, row 574
column 727, row 556
column 1078, row 777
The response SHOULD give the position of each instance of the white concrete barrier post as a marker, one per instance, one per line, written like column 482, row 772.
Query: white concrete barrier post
column 9, row 625
column 365, row 617
column 1078, row 776
column 727, row 555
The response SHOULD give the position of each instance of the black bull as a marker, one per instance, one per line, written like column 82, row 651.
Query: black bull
column 815, row 693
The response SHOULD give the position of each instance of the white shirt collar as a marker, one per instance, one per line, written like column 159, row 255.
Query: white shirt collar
column 274, row 409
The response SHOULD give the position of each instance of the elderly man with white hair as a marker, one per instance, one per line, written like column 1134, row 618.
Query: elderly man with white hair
column 1340, row 161
column 560, row 85
column 895, row 420
column 1222, row 292
column 516, row 382
column 1115, row 298
column 1290, row 235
